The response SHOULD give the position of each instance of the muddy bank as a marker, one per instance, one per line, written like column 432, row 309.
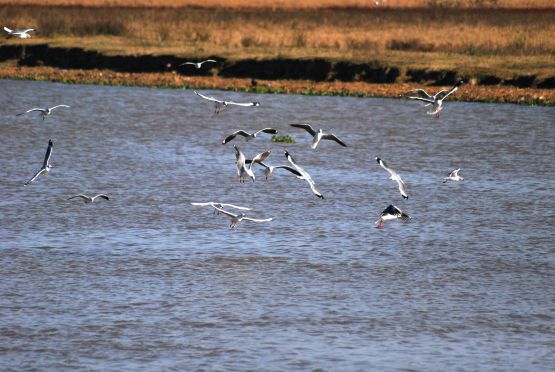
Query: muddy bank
column 318, row 70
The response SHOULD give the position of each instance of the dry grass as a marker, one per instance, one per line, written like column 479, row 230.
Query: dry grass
column 292, row 4
column 500, row 94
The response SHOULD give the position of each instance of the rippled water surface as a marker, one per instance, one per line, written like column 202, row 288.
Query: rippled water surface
column 146, row 280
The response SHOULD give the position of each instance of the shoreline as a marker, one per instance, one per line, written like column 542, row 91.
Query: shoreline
column 468, row 93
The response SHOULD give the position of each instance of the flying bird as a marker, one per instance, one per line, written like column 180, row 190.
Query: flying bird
column 22, row 33
column 318, row 135
column 304, row 175
column 436, row 100
column 241, row 163
column 46, row 166
column 453, row 176
column 44, row 112
column 198, row 65
column 89, row 199
column 220, row 105
column 394, row 176
column 237, row 218
column 248, row 136
column 391, row 213
column 221, row 206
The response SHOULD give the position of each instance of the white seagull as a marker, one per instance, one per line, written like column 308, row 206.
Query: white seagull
column 220, row 105
column 304, row 175
column 22, row 33
column 45, row 165
column 44, row 112
column 237, row 218
column 248, row 136
column 394, row 176
column 318, row 135
column 436, row 100
column 89, row 199
column 221, row 206
column 198, row 65
column 453, row 176
column 391, row 213
column 241, row 163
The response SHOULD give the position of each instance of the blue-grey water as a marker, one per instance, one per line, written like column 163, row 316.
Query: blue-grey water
column 147, row 281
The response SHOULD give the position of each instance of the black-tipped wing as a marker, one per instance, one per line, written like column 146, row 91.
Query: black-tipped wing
column 102, row 196
column 208, row 98
column 235, row 134
column 419, row 93
column 243, row 104
column 267, row 130
column 333, row 137
column 290, row 169
column 47, row 155
column 85, row 197
column 391, row 210
column 422, row 99
column 31, row 110
column 259, row 158
column 306, row 127
column 445, row 93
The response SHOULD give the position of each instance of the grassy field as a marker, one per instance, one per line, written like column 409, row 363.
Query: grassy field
column 477, row 38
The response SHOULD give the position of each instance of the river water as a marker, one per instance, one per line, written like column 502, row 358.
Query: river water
column 147, row 281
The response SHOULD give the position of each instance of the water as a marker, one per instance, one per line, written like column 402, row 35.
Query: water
column 147, row 281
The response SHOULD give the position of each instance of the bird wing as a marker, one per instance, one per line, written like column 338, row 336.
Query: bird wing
column 103, row 196
column 31, row 110
column 314, row 189
column 290, row 169
column 304, row 174
column 78, row 196
column 48, row 154
column 208, row 98
column 235, row 134
column 257, row 219
column 187, row 63
column 422, row 99
column 52, row 108
column 260, row 157
column 454, row 173
column 445, row 93
column 306, row 127
column 246, row 104
column 7, row 29
column 384, row 166
column 391, row 209
column 224, row 212
column 420, row 93
column 402, row 187
column 208, row 60
column 235, row 206
column 240, row 157
column 267, row 130
column 27, row 30
column 333, row 137
column 34, row 177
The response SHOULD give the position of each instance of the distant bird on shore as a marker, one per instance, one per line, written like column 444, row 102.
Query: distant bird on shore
column 44, row 112
column 198, row 65
column 436, row 100
column 318, row 135
column 394, row 176
column 237, row 218
column 453, row 176
column 391, row 213
column 220, row 105
column 22, row 33
column 46, row 166
column 89, row 199
column 304, row 175
column 220, row 206
column 248, row 136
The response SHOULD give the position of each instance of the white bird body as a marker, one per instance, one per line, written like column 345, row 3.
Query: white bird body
column 89, row 199
column 436, row 100
column 220, row 105
column 304, row 175
column 394, row 176
column 241, row 163
column 198, row 65
column 237, row 218
column 22, row 33
column 46, row 166
column 391, row 213
column 318, row 135
column 44, row 112
column 248, row 136
column 453, row 176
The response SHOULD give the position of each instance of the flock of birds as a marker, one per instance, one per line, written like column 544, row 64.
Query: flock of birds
column 245, row 166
